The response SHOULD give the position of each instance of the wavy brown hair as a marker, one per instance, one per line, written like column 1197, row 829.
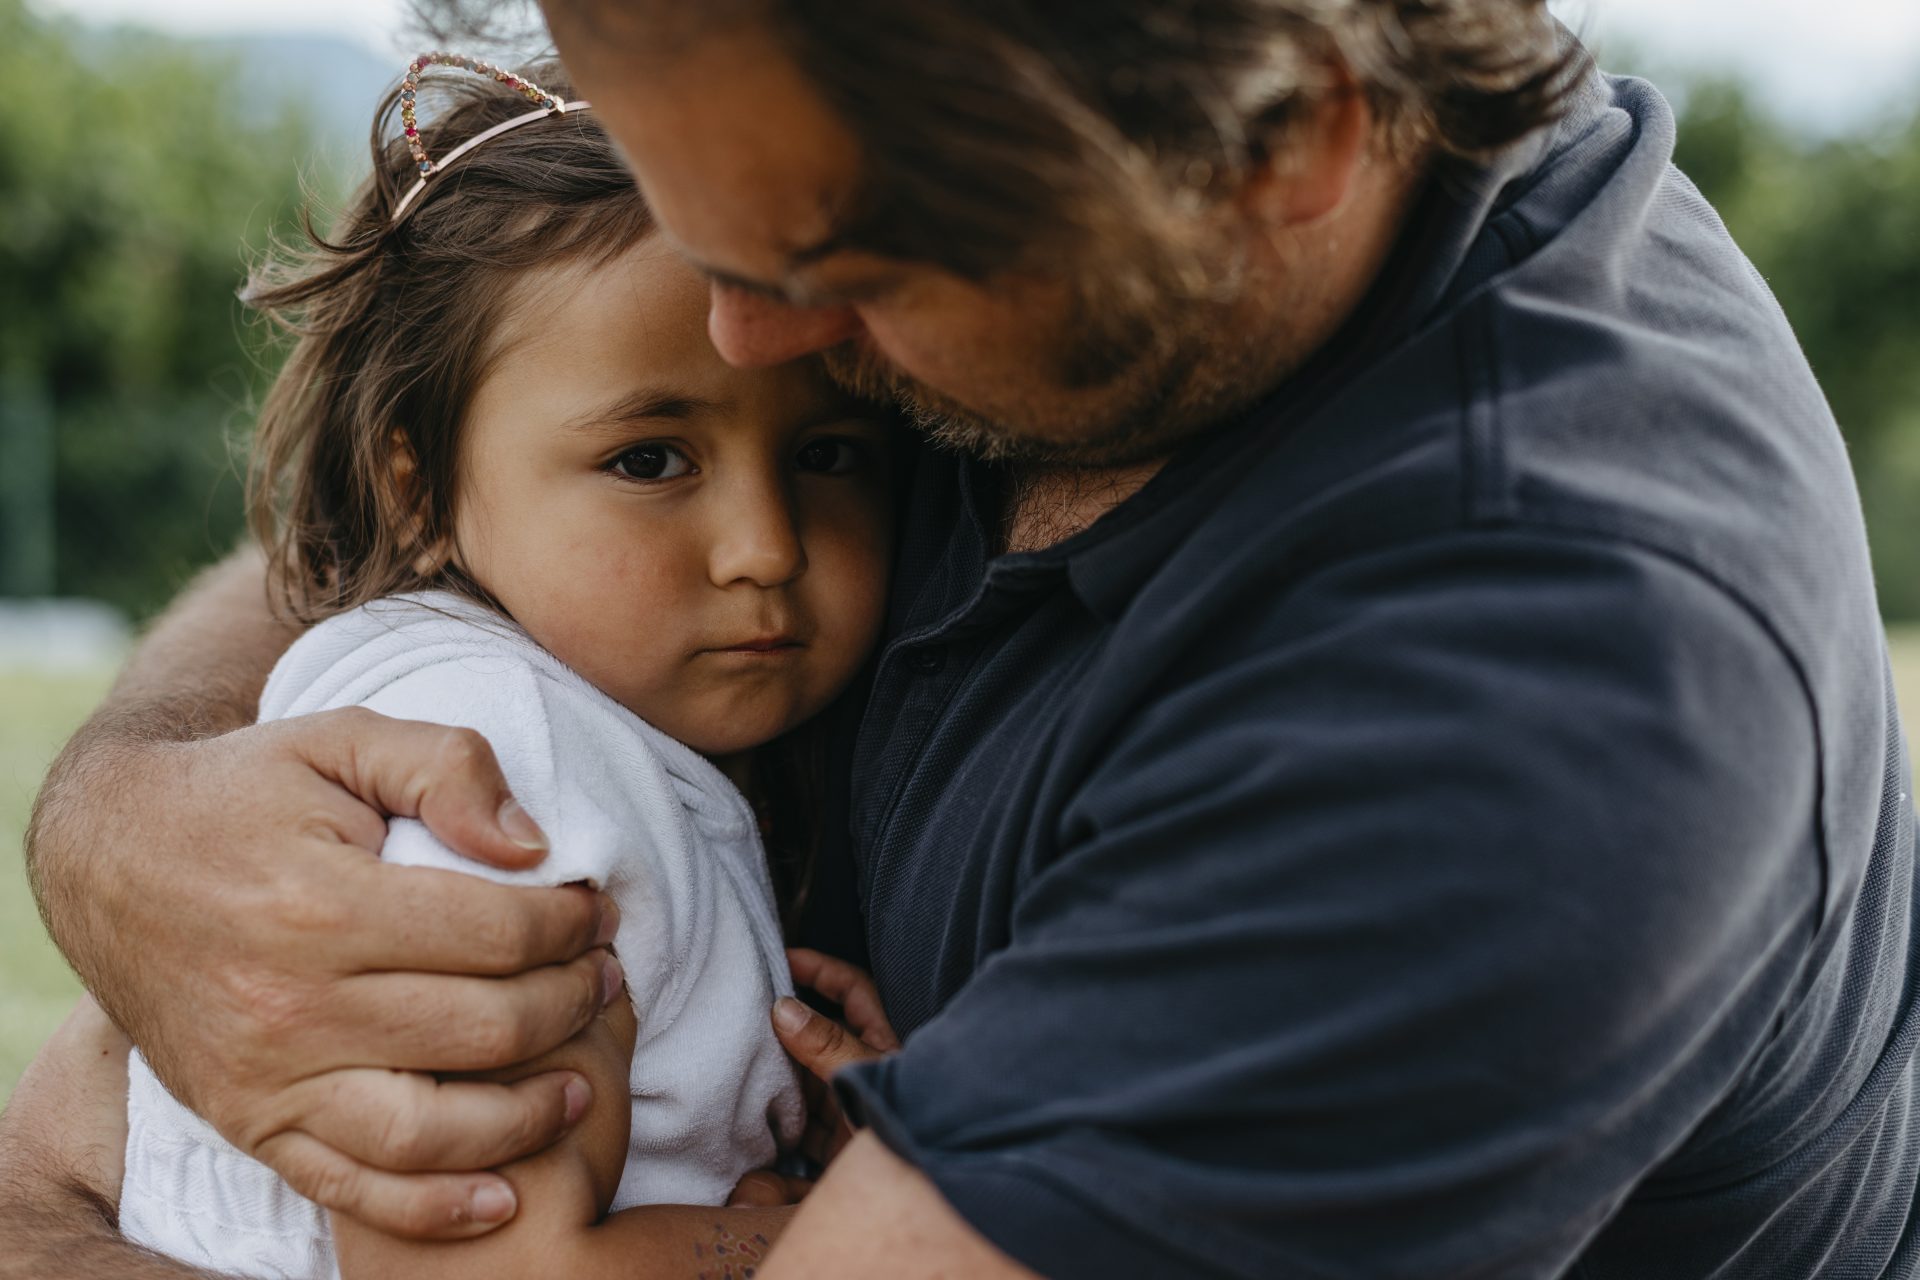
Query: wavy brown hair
column 351, row 482
column 1076, row 134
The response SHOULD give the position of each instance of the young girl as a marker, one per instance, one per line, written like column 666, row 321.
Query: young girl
column 508, row 478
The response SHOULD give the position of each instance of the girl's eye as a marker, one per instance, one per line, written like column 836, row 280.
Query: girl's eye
column 828, row 456
column 652, row 462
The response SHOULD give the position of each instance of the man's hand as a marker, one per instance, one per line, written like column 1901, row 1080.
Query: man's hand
column 223, row 899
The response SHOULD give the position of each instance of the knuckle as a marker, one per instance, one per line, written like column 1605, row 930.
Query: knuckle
column 352, row 718
column 587, row 973
column 527, row 1127
column 509, row 936
column 354, row 723
column 275, row 1008
column 401, row 1138
column 306, row 908
column 462, row 751
column 823, row 1037
column 332, row 1183
column 470, row 1031
column 497, row 1038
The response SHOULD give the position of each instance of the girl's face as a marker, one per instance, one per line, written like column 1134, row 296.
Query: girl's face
column 708, row 545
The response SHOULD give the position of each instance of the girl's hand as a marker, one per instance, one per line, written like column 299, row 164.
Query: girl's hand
column 824, row 1046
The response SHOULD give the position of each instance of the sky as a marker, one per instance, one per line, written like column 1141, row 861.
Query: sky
column 1827, row 64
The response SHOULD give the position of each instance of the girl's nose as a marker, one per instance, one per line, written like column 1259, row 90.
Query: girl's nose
column 758, row 542
column 750, row 331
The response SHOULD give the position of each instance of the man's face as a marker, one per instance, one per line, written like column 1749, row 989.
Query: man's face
column 749, row 172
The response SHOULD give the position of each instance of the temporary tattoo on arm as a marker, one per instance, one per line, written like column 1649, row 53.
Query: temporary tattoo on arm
column 731, row 1257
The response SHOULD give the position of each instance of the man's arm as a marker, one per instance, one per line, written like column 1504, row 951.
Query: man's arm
column 873, row 1214
column 196, row 675
column 62, row 1140
column 215, row 883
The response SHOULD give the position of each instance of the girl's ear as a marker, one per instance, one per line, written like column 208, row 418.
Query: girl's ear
column 408, row 502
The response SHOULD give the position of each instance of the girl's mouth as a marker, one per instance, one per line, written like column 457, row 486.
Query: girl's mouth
column 768, row 646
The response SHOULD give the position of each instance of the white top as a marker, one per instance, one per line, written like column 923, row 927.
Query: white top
column 627, row 809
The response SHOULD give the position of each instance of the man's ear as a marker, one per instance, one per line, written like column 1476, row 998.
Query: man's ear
column 1307, row 174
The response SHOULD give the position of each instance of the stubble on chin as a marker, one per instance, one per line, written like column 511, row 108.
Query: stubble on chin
column 1142, row 387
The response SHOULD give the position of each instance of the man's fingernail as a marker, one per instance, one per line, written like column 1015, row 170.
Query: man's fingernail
column 790, row 1015
column 578, row 1094
column 609, row 922
column 520, row 828
column 612, row 979
column 491, row 1203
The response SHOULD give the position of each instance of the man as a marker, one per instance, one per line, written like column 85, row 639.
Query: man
column 1384, row 765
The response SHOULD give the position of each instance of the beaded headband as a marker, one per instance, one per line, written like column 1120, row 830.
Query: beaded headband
column 548, row 104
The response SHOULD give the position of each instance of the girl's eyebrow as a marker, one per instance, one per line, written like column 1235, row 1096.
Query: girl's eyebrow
column 643, row 405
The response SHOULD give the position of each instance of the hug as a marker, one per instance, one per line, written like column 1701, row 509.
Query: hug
column 1156, row 638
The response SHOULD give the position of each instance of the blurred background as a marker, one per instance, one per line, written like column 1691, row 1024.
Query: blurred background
column 150, row 150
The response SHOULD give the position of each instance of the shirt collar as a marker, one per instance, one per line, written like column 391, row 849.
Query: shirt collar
column 1108, row 562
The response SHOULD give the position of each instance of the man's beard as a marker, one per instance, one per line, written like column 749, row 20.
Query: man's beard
column 1163, row 378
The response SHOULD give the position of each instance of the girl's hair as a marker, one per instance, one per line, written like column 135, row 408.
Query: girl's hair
column 350, row 489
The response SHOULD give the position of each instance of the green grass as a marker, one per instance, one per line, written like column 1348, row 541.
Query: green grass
column 38, row 711
column 1906, row 675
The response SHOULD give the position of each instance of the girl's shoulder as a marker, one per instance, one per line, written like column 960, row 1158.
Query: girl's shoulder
column 351, row 656
column 444, row 659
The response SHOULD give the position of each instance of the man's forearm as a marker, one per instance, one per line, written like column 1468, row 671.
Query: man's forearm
column 61, row 1143
column 66, row 1229
column 198, row 673
column 200, row 668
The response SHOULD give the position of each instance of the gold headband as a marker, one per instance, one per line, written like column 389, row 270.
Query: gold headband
column 548, row 105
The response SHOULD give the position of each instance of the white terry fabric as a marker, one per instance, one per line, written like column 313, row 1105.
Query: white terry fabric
column 627, row 809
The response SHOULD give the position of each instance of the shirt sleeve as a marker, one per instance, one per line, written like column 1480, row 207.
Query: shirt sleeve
column 602, row 798
column 1418, row 914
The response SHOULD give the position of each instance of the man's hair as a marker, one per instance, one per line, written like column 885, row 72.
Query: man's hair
column 351, row 482
column 997, row 131
column 994, row 131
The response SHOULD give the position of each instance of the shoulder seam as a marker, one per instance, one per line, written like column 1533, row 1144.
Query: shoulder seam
column 1596, row 535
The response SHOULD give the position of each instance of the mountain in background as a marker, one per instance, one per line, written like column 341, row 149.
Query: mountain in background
column 333, row 82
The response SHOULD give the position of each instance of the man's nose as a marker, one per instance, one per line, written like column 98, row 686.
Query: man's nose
column 750, row 331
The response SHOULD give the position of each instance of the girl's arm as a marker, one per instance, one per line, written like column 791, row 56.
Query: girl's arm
column 561, row 1228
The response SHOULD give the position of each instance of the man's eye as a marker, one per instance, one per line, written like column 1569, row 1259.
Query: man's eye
column 828, row 457
column 652, row 462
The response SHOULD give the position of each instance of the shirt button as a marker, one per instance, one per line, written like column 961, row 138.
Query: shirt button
column 928, row 661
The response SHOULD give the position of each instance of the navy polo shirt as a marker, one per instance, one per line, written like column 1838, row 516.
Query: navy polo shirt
column 1452, row 822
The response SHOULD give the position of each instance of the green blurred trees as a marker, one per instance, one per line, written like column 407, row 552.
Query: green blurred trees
column 1834, row 226
column 130, row 179
column 131, row 176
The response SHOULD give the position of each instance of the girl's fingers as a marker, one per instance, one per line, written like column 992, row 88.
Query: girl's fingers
column 850, row 987
column 817, row 1043
column 765, row 1189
